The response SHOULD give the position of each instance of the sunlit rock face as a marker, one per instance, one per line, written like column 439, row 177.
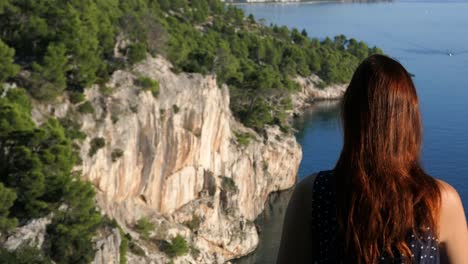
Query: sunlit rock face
column 311, row 92
column 181, row 159
column 107, row 244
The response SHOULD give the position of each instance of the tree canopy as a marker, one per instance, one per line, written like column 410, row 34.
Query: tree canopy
column 70, row 45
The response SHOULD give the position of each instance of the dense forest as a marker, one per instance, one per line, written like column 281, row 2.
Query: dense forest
column 59, row 48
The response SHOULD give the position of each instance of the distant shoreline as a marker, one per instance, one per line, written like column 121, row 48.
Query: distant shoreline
column 303, row 2
column 280, row 2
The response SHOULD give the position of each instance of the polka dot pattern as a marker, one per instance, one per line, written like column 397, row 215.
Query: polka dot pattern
column 327, row 249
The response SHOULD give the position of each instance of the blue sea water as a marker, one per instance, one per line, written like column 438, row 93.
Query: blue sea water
column 419, row 34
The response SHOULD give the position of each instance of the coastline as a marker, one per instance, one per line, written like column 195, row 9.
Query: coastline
column 270, row 221
column 286, row 2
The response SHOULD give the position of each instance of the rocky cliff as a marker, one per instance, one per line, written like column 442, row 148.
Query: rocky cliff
column 311, row 92
column 184, row 163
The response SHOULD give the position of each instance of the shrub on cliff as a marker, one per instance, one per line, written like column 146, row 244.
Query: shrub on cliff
column 229, row 185
column 194, row 223
column 136, row 53
column 144, row 227
column 116, row 154
column 95, row 145
column 176, row 247
column 148, row 84
column 244, row 139
column 76, row 97
column 124, row 246
column 86, row 108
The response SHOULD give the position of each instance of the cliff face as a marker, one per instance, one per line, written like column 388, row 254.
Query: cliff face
column 181, row 163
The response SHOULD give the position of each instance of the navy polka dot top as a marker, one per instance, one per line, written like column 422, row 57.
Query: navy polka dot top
column 325, row 227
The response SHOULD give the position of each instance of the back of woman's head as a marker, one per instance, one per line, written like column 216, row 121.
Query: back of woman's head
column 383, row 194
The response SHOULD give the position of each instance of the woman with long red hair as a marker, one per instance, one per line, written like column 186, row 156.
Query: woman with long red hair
column 377, row 205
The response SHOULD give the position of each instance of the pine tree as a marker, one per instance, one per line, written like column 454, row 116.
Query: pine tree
column 7, row 197
column 48, row 79
column 7, row 67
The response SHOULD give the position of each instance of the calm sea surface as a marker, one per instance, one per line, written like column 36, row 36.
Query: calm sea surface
column 421, row 35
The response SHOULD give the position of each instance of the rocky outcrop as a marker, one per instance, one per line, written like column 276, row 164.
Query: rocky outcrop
column 31, row 234
column 175, row 157
column 311, row 92
column 107, row 244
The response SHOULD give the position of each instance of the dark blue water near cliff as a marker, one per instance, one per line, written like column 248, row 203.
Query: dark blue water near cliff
column 421, row 35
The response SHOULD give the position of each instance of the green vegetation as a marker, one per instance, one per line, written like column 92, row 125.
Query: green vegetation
column 105, row 90
column 72, row 128
column 95, row 145
column 23, row 255
column 116, row 154
column 36, row 180
column 257, row 62
column 70, row 45
column 136, row 53
column 134, row 108
column 7, row 67
column 135, row 249
column 123, row 248
column 7, row 197
column 144, row 227
column 175, row 109
column 244, row 139
column 76, row 97
column 194, row 223
column 229, row 185
column 148, row 84
column 176, row 248
column 86, row 108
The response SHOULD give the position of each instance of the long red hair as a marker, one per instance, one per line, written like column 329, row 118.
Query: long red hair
column 383, row 193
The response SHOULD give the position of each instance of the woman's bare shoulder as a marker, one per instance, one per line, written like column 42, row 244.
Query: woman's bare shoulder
column 453, row 231
column 449, row 195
